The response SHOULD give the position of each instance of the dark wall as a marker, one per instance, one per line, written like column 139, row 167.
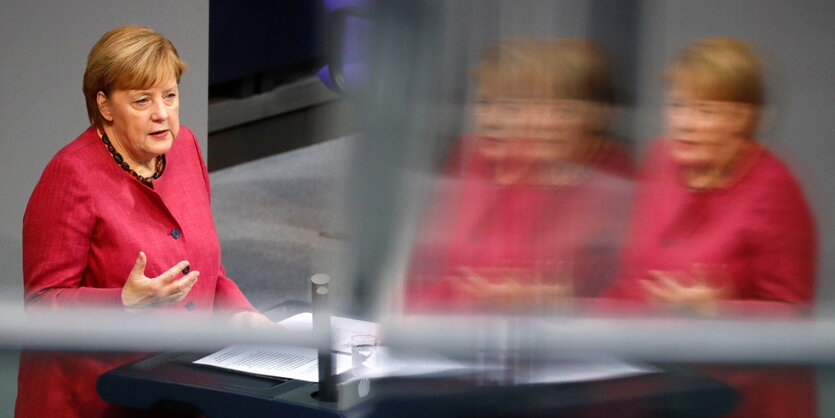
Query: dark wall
column 255, row 37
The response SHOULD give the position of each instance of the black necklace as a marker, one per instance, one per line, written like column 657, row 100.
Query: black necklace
column 159, row 169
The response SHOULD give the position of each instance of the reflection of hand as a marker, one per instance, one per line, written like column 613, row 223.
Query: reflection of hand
column 696, row 292
column 508, row 290
column 144, row 292
column 251, row 319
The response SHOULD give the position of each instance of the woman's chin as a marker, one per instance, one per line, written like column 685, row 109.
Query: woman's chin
column 690, row 159
column 160, row 147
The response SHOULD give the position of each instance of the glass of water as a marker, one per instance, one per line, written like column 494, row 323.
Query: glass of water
column 362, row 353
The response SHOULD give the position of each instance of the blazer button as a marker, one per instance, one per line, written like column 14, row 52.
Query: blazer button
column 187, row 269
column 176, row 233
column 190, row 306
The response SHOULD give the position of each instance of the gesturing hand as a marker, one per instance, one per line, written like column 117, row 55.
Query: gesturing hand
column 143, row 292
column 509, row 289
column 700, row 292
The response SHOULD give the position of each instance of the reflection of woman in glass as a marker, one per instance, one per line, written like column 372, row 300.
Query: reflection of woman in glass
column 717, row 217
column 720, row 224
column 535, row 215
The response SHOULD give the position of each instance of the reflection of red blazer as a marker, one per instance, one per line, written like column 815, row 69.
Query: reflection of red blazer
column 759, row 233
column 84, row 226
column 566, row 235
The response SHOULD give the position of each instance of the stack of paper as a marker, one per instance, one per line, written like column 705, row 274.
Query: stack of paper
column 292, row 362
column 301, row 362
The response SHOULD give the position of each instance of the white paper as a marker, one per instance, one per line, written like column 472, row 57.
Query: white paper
column 567, row 370
column 288, row 361
column 390, row 364
column 276, row 361
column 301, row 362
column 588, row 368
column 342, row 329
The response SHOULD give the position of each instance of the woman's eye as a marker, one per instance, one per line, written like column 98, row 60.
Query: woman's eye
column 707, row 111
column 141, row 101
column 170, row 96
column 567, row 110
column 511, row 109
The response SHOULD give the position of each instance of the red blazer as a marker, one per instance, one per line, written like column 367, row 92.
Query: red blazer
column 759, row 231
column 84, row 226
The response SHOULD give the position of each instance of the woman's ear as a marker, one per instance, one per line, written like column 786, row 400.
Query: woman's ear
column 747, row 118
column 104, row 106
column 599, row 117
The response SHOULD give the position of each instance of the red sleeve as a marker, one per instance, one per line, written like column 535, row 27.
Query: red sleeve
column 228, row 297
column 785, row 253
column 201, row 161
column 57, row 229
column 627, row 282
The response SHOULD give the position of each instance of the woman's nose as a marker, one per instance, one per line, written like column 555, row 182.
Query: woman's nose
column 687, row 121
column 159, row 112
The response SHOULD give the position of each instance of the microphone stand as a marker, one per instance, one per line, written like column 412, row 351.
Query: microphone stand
column 322, row 327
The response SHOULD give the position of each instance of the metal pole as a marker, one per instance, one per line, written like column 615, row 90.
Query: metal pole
column 322, row 328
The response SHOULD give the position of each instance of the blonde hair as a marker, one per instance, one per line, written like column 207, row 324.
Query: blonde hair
column 719, row 69
column 567, row 68
column 128, row 57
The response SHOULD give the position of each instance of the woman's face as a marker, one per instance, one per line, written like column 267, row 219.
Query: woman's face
column 531, row 130
column 707, row 133
column 144, row 122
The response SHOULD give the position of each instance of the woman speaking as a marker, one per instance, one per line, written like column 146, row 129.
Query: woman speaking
column 121, row 218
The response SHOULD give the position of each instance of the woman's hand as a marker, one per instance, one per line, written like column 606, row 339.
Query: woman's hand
column 509, row 290
column 697, row 292
column 251, row 319
column 145, row 292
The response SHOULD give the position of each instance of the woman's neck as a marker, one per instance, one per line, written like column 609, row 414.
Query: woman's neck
column 535, row 174
column 719, row 175
column 557, row 173
column 143, row 166
column 705, row 177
